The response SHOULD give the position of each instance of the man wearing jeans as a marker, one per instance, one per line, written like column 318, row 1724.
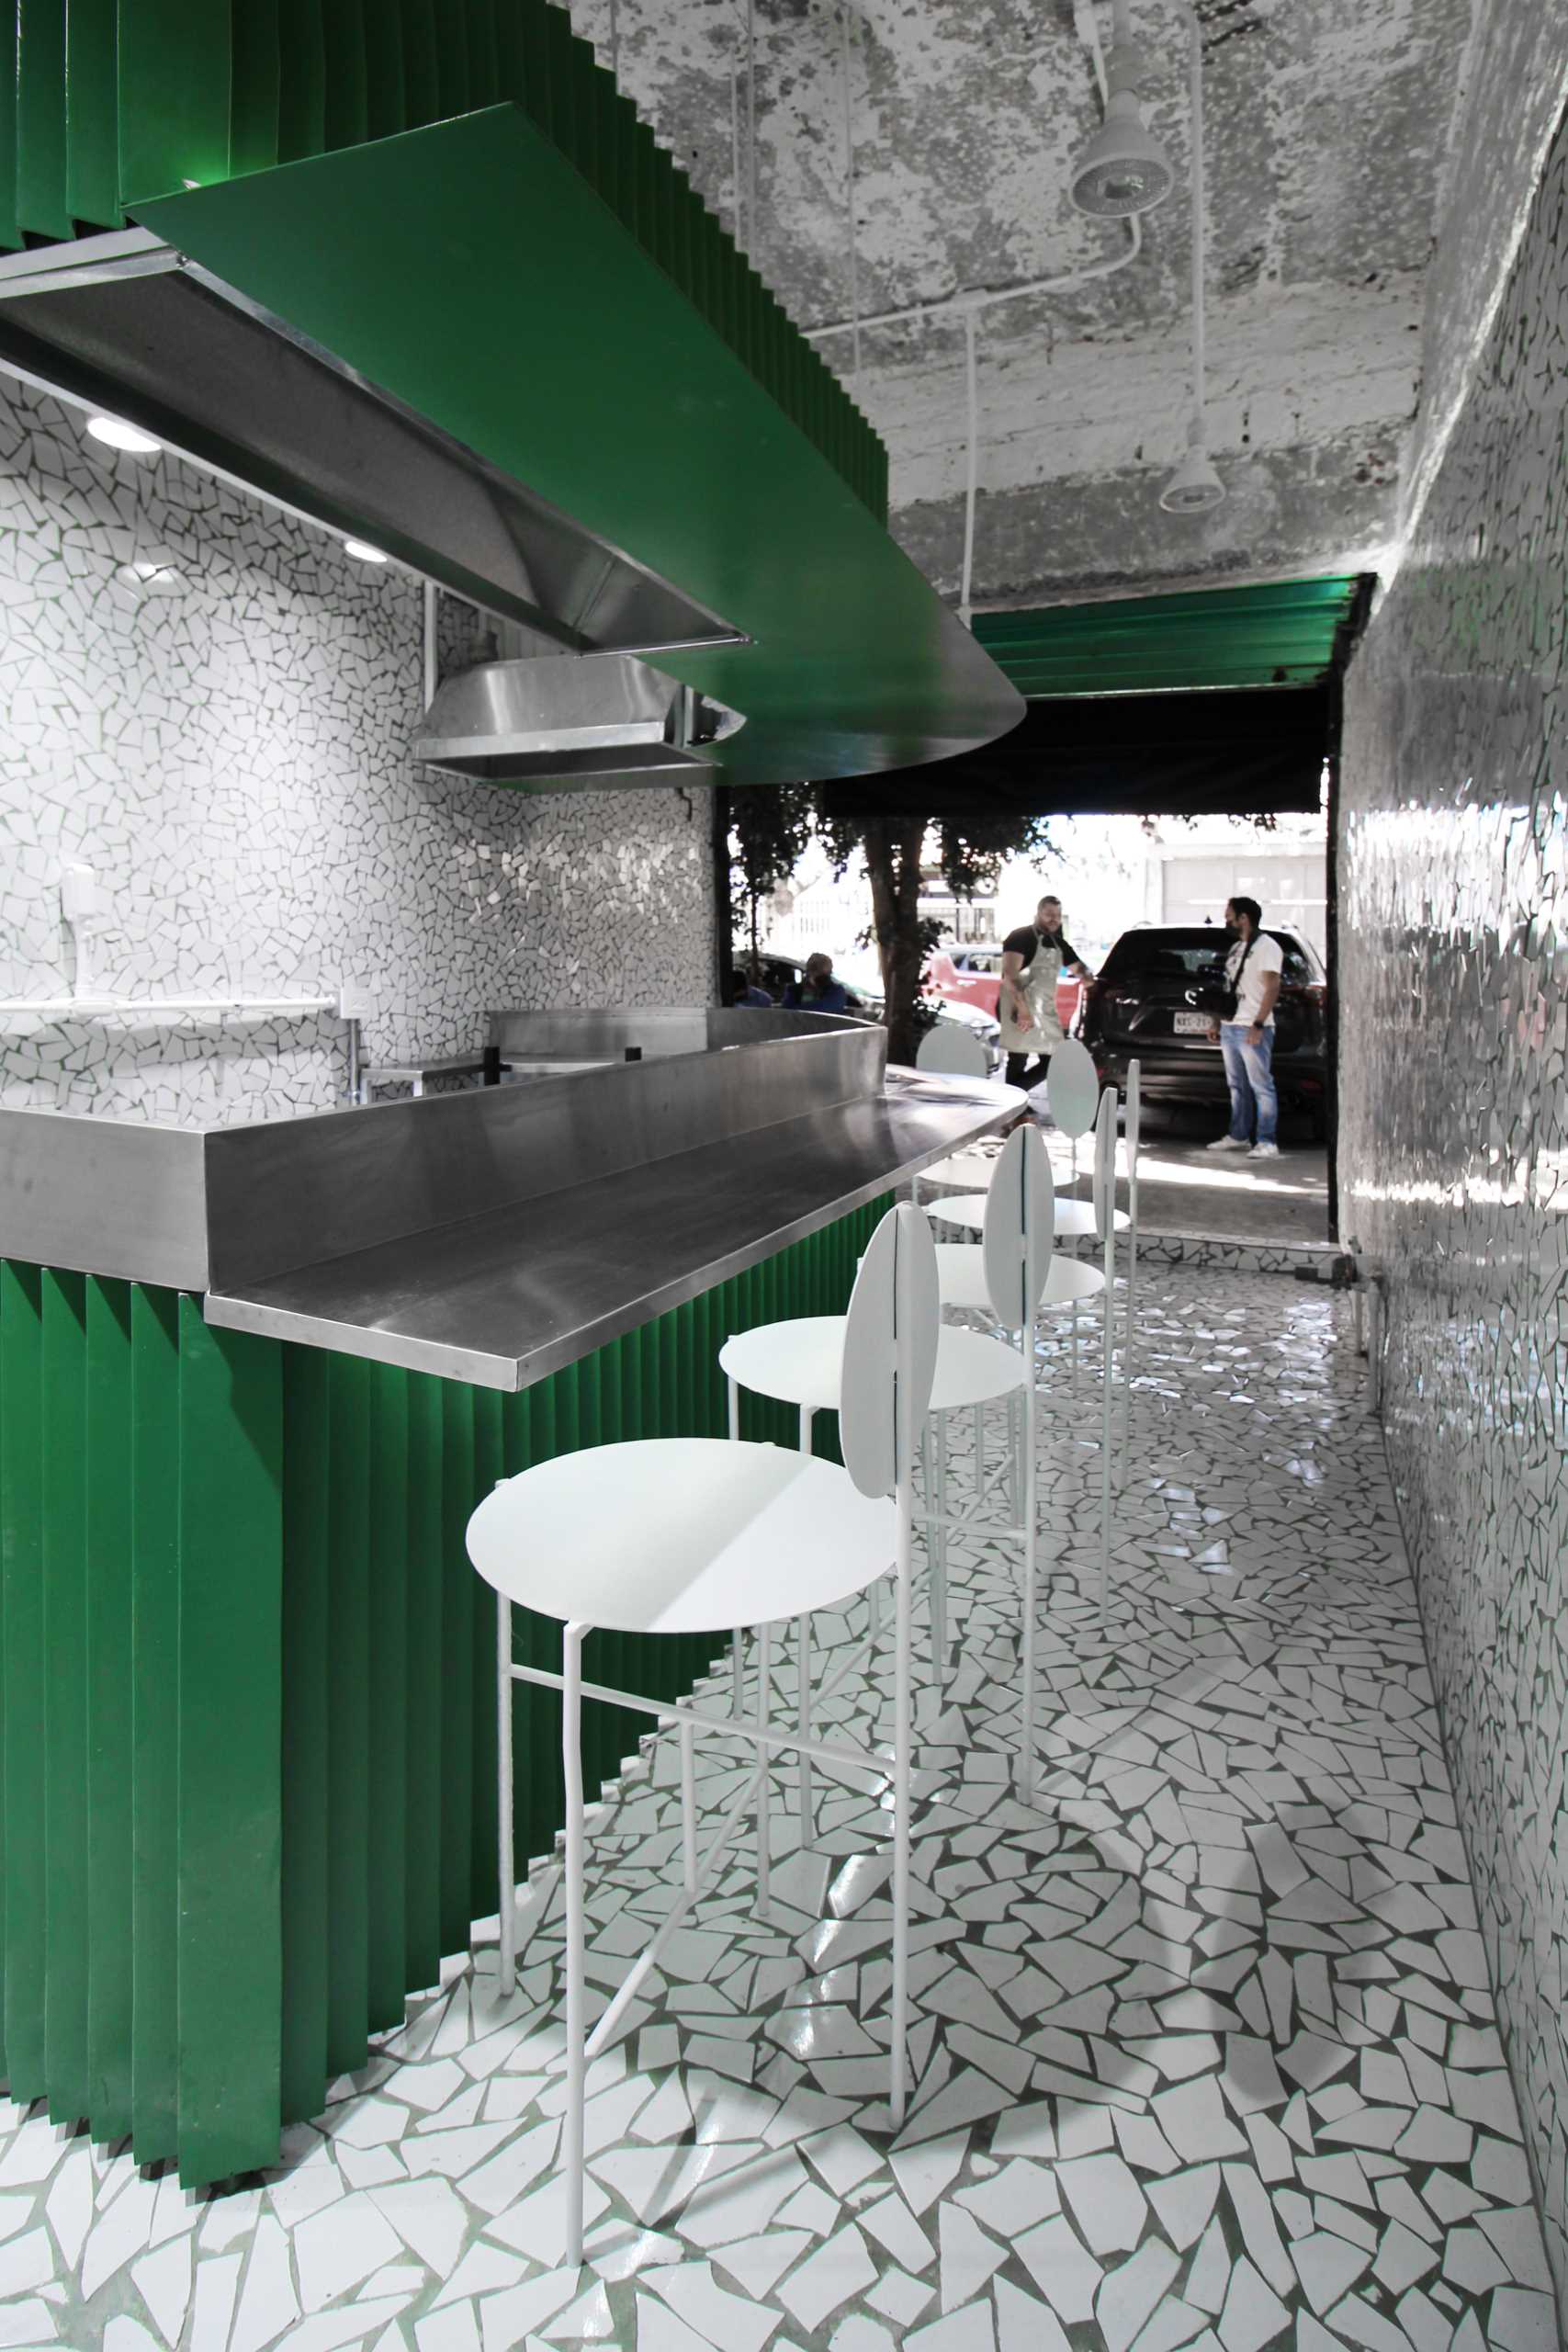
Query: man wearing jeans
column 1253, row 969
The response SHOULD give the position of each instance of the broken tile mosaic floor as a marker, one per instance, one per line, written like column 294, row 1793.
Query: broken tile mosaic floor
column 1204, row 2047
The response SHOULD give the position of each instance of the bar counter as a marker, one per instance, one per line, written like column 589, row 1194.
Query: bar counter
column 252, row 1382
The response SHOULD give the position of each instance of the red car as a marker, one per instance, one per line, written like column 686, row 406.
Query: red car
column 974, row 975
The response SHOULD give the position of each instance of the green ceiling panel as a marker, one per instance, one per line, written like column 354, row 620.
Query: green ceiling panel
column 105, row 102
column 540, row 352
column 1282, row 633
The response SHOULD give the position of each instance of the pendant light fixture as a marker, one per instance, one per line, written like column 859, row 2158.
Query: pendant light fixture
column 1195, row 488
column 1123, row 169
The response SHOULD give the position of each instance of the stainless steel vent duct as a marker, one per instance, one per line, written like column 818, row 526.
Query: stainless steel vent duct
column 562, row 721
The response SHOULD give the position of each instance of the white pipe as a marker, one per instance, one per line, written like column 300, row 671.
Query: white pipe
column 849, row 184
column 960, row 304
column 970, row 473
column 1195, row 77
column 431, row 664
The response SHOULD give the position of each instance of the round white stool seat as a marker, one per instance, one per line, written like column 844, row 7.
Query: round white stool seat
column 798, row 1363
column 681, row 1535
column 1074, row 1219
column 961, row 1271
column 963, row 1167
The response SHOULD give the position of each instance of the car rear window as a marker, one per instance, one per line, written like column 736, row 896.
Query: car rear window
column 1183, row 953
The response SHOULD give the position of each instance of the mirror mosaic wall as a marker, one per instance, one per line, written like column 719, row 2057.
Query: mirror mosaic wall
column 1454, row 1125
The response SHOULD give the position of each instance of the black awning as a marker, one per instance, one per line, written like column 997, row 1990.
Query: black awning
column 1238, row 755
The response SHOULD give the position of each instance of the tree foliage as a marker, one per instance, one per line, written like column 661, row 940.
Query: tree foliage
column 894, row 829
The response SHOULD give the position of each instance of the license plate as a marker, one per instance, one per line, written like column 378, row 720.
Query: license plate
column 1191, row 1024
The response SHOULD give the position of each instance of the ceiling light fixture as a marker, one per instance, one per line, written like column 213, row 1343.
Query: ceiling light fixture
column 363, row 552
column 1123, row 169
column 115, row 434
column 1195, row 488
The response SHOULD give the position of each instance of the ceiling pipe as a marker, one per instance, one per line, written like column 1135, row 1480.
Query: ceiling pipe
column 1194, row 488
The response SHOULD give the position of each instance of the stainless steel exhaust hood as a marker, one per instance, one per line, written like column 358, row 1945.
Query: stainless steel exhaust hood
column 567, row 722
column 449, row 341
column 125, row 322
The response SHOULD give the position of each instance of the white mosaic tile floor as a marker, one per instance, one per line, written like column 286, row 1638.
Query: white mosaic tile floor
column 1206, row 2054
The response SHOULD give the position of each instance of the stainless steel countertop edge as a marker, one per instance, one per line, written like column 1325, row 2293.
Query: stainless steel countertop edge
column 487, row 1369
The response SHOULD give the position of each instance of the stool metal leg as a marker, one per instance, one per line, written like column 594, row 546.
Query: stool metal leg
column 803, row 1669
column 508, row 1852
column 1031, row 1513
column 738, row 1639
column 766, row 1782
column 1105, row 1431
column 689, row 1805
column 803, row 1655
column 573, row 2157
column 902, row 1702
column 938, row 1541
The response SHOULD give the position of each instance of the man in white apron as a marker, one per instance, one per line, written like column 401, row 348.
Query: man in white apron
column 1034, row 958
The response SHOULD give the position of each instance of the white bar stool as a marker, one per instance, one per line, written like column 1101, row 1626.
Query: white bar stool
column 686, row 1535
column 800, row 1363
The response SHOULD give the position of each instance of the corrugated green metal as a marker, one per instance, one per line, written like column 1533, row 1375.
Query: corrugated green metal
column 247, row 1770
column 105, row 102
column 1279, row 633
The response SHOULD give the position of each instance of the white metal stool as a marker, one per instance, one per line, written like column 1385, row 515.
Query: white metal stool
column 683, row 1535
column 800, row 1362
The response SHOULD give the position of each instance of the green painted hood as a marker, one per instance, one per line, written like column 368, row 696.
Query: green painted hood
column 448, row 341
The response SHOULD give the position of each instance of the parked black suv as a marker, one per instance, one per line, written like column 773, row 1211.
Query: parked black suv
column 1144, row 1006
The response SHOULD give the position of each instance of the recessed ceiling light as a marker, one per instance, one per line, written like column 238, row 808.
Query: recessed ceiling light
column 363, row 551
column 117, row 434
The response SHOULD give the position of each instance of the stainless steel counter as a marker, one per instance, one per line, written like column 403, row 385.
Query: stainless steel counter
column 494, row 1236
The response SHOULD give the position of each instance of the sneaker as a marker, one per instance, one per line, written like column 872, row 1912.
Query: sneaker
column 1264, row 1151
column 1231, row 1143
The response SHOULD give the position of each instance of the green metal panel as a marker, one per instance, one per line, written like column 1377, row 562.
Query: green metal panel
column 175, row 62
column 854, row 662
column 348, row 1720
column 65, row 1692
column 109, row 1568
column 154, row 1667
column 21, row 1565
column 249, row 1675
column 388, row 1517
column 42, row 210
column 1280, row 633
column 230, row 1697
column 92, row 112
column 307, row 1700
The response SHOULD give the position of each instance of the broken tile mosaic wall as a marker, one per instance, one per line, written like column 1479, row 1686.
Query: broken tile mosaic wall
column 1454, row 964
column 209, row 703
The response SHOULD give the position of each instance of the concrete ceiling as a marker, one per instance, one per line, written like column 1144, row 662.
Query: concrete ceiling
column 1329, row 128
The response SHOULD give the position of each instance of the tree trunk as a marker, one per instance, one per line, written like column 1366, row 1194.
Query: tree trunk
column 893, row 868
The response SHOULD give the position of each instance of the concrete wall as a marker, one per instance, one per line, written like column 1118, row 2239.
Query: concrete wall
column 1454, row 977
column 209, row 703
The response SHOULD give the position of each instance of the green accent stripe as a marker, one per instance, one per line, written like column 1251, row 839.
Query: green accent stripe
column 230, row 1696
column 1280, row 633
column 155, row 1652
column 65, row 1694
column 111, row 1745
column 21, row 1561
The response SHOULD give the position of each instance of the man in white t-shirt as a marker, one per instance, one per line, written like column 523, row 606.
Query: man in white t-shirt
column 1253, row 969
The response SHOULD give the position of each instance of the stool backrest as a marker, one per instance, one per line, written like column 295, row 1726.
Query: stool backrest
column 1021, row 1225
column 889, row 1361
column 952, row 1051
column 1072, row 1087
column 1105, row 1166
